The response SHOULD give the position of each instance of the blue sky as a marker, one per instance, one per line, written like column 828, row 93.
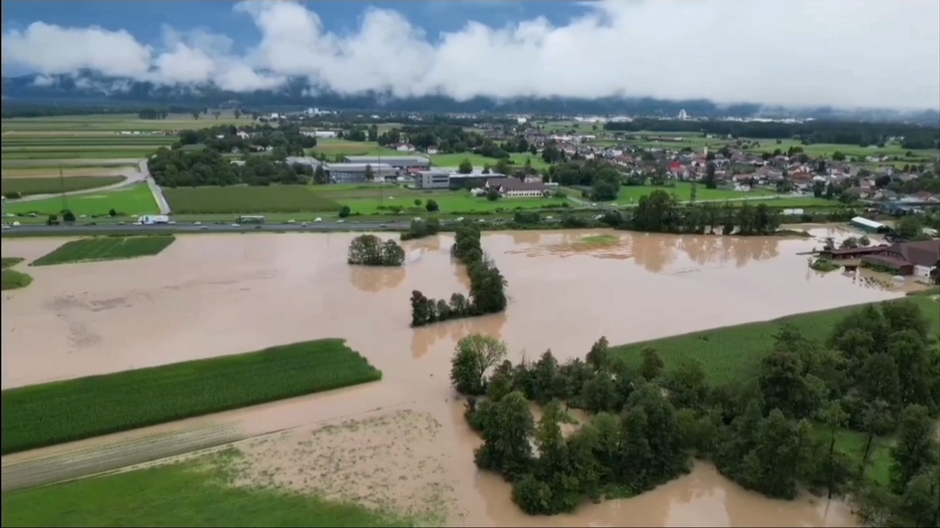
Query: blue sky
column 844, row 53
column 144, row 18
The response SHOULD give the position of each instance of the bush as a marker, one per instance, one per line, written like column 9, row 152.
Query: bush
column 432, row 206
column 344, row 212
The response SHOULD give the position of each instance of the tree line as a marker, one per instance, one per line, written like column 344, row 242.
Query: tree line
column 370, row 250
column 809, row 132
column 661, row 212
column 282, row 141
column 773, row 433
column 487, row 284
column 204, row 167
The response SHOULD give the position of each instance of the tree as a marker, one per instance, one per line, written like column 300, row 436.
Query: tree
column 345, row 211
column 68, row 216
column 319, row 175
column 909, row 227
column 370, row 174
column 465, row 167
column 112, row 213
column 417, row 202
column 710, row 182
column 916, row 447
column 834, row 418
column 431, row 206
column 652, row 365
column 507, row 428
column 369, row 250
column 693, row 193
column 473, row 356
column 196, row 116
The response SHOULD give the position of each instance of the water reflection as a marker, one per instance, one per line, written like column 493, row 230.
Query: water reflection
column 526, row 237
column 657, row 252
column 424, row 338
column 374, row 279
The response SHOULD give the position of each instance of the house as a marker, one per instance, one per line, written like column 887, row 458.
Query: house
column 515, row 188
column 432, row 151
column 405, row 147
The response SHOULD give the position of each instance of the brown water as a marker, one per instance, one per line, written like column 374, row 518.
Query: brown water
column 209, row 295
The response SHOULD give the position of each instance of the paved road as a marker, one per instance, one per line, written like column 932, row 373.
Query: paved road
column 132, row 177
column 65, row 230
column 155, row 189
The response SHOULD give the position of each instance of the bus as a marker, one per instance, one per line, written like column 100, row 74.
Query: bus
column 250, row 220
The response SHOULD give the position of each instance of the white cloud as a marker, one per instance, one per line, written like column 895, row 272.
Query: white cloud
column 846, row 53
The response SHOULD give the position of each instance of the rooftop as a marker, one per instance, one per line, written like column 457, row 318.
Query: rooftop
column 417, row 160
column 358, row 166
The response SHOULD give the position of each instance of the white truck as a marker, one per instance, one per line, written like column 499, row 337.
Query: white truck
column 153, row 219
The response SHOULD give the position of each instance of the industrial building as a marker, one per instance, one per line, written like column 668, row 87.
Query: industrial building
column 869, row 226
column 451, row 179
column 432, row 179
column 399, row 162
column 356, row 172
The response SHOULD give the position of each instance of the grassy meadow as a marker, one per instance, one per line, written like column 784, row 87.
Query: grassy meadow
column 104, row 248
column 14, row 280
column 133, row 200
column 248, row 200
column 30, row 186
column 66, row 411
column 733, row 353
column 193, row 493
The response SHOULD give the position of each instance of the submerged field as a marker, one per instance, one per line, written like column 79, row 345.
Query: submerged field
column 734, row 352
column 131, row 200
column 104, row 248
column 55, row 413
column 28, row 186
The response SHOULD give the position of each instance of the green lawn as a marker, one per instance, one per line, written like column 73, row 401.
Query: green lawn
column 683, row 191
column 243, row 199
column 80, row 153
column 448, row 202
column 134, row 200
column 733, row 353
column 333, row 147
column 29, row 186
column 14, row 280
column 195, row 493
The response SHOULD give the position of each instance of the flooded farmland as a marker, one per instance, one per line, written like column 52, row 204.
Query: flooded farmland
column 211, row 295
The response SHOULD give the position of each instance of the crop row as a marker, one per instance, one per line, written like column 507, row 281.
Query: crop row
column 59, row 412
column 240, row 199
column 28, row 186
column 122, row 153
column 105, row 248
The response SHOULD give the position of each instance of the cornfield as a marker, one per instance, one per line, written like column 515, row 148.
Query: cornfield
column 105, row 248
column 66, row 411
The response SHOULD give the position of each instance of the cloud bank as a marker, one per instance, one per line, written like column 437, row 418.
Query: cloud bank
column 845, row 53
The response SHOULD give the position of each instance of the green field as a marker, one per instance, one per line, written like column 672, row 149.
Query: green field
column 132, row 200
column 387, row 200
column 9, row 262
column 246, row 200
column 733, row 353
column 14, row 280
column 194, row 493
column 104, row 248
column 333, row 147
column 478, row 161
column 683, row 192
column 115, row 123
column 65, row 411
column 28, row 186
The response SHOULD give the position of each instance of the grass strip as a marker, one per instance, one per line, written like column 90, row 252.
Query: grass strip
column 194, row 493
column 55, row 413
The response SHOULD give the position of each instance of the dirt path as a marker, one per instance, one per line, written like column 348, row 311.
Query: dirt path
column 131, row 176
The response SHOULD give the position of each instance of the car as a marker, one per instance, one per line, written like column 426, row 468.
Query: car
column 383, row 225
column 235, row 225
column 303, row 224
column 340, row 221
column 204, row 228
column 197, row 223
column 290, row 221
column 318, row 219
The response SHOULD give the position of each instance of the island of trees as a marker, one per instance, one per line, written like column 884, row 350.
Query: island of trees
column 370, row 250
column 774, row 434
column 487, row 285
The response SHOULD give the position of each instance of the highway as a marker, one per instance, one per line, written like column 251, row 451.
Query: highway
column 79, row 229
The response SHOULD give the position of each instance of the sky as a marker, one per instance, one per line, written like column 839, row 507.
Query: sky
column 843, row 53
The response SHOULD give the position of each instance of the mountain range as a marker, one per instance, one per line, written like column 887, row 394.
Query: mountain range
column 90, row 88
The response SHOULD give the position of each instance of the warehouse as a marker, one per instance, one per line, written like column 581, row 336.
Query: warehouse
column 399, row 162
column 869, row 226
column 356, row 172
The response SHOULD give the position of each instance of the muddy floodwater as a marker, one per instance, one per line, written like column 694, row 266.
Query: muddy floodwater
column 403, row 442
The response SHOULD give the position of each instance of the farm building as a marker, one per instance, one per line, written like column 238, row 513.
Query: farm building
column 398, row 162
column 869, row 225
